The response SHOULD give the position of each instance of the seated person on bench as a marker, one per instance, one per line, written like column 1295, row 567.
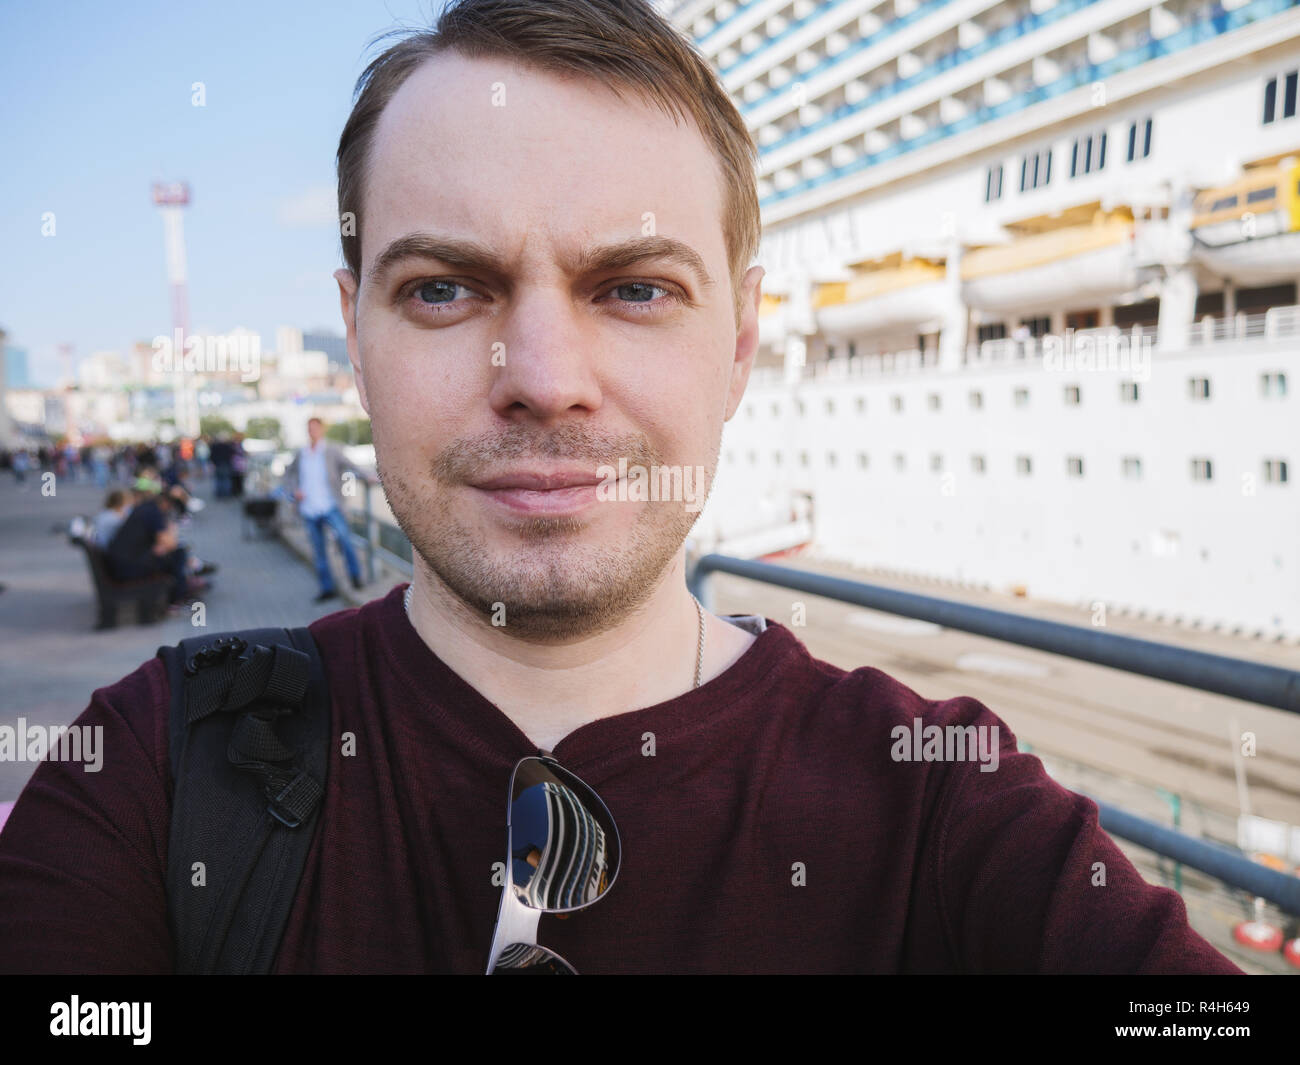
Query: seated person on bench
column 146, row 543
column 106, row 523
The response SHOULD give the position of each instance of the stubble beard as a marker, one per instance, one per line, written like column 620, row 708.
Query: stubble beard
column 554, row 581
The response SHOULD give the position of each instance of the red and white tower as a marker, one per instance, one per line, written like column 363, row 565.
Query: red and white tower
column 172, row 198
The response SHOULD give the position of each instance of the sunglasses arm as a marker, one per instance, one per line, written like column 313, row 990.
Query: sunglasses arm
column 516, row 923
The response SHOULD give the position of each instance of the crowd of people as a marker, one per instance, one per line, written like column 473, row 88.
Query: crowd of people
column 148, row 501
column 221, row 457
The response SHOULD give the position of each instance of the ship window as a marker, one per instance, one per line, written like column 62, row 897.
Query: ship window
column 1273, row 384
column 1202, row 470
column 1133, row 152
column 1270, row 100
column 993, row 184
column 1288, row 105
column 1256, row 195
column 1224, row 204
column 1101, row 152
column 1087, row 156
column 1074, row 160
column 1275, row 471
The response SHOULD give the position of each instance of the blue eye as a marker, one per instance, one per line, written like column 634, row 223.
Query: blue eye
column 429, row 289
column 643, row 286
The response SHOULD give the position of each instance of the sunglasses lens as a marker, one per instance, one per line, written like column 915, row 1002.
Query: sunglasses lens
column 564, row 848
column 523, row 959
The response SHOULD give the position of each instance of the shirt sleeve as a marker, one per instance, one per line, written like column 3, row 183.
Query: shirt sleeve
column 84, row 852
column 1026, row 880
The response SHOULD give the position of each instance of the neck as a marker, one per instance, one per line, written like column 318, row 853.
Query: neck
column 549, row 690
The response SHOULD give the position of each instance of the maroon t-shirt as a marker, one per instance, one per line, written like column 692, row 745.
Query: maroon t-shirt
column 774, row 828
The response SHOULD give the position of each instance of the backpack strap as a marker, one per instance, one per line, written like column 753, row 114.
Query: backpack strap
column 248, row 742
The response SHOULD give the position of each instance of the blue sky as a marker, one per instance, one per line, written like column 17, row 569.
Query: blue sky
column 97, row 106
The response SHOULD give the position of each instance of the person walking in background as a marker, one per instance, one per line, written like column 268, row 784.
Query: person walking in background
column 21, row 464
column 314, row 479
column 99, row 456
column 238, row 465
column 221, row 452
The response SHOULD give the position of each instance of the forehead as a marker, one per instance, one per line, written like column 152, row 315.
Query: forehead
column 531, row 162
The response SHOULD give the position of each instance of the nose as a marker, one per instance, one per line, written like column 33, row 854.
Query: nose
column 548, row 359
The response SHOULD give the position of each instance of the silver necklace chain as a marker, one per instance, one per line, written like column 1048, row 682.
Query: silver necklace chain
column 699, row 608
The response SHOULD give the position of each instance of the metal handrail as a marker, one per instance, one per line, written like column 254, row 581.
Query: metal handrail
column 1238, row 678
column 1218, row 861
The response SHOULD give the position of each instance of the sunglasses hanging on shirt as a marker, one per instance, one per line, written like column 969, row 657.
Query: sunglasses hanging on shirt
column 563, row 856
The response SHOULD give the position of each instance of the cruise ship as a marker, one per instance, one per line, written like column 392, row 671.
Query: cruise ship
column 1030, row 317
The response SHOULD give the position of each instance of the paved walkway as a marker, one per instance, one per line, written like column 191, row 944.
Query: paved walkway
column 51, row 658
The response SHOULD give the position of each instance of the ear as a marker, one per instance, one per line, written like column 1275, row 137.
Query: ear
column 746, row 338
column 348, row 304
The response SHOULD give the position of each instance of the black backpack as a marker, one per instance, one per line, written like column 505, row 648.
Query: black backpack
column 248, row 743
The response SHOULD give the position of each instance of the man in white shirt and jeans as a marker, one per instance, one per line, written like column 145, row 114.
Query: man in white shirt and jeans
column 314, row 479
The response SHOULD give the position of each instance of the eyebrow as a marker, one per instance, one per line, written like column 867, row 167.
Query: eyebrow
column 472, row 255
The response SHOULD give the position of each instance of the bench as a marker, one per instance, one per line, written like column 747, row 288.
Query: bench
column 150, row 594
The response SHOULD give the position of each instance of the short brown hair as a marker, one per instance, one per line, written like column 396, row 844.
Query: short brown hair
column 625, row 44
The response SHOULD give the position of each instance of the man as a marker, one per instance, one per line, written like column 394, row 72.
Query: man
column 549, row 273
column 146, row 542
column 222, row 454
column 315, row 478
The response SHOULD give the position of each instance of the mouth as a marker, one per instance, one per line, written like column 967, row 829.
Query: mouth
column 550, row 493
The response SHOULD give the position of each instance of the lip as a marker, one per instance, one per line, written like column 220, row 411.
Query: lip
column 541, row 481
column 553, row 493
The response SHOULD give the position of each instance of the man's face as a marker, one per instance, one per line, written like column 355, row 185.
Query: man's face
column 315, row 430
column 541, row 364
